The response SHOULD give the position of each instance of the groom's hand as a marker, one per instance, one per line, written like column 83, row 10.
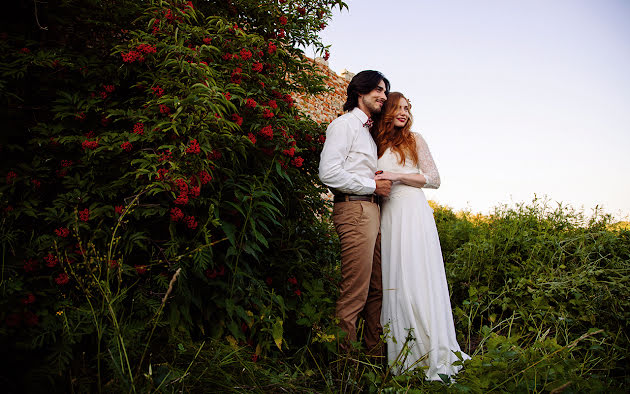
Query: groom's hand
column 383, row 187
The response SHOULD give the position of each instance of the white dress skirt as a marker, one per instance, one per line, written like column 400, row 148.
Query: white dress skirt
column 416, row 303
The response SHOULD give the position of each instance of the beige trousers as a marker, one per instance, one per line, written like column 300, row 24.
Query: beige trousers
column 361, row 290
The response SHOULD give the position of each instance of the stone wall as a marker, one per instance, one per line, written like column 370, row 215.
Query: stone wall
column 325, row 107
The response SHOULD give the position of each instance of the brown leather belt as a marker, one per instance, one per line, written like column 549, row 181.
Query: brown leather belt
column 354, row 197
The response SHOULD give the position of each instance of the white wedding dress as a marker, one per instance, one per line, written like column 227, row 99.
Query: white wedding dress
column 415, row 293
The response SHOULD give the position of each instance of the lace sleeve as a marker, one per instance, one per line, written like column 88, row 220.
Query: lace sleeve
column 426, row 164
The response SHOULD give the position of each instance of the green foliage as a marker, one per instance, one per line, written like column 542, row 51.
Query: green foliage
column 148, row 138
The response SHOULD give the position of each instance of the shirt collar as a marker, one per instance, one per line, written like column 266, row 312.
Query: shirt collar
column 359, row 114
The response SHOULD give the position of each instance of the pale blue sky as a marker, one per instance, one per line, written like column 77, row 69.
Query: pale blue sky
column 514, row 97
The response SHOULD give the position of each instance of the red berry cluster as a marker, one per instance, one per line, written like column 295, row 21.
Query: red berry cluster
column 267, row 132
column 257, row 67
column 127, row 146
column 84, row 215
column 193, row 148
column 62, row 232
column 237, row 119
column 87, row 144
column 138, row 128
column 251, row 103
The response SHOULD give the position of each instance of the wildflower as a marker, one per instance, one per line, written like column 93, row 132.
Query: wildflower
column 298, row 161
column 84, row 215
column 138, row 128
column 62, row 279
column 194, row 147
column 118, row 209
column 257, row 67
column 237, row 119
column 62, row 232
column 191, row 223
column 176, row 214
column 250, row 103
column 252, row 138
column 126, row 146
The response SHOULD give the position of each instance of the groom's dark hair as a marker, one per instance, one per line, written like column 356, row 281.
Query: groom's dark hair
column 362, row 83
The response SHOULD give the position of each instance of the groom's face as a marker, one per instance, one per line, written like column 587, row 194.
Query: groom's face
column 374, row 100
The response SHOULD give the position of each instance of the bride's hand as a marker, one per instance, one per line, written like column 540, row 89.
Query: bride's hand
column 392, row 176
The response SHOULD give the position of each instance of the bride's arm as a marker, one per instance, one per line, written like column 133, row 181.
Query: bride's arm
column 426, row 164
column 430, row 177
column 415, row 180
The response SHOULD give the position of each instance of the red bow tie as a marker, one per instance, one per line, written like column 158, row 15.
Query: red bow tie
column 369, row 123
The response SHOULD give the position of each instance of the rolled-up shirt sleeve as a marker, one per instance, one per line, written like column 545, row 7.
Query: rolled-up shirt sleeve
column 341, row 138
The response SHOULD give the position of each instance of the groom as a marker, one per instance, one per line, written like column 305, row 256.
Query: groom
column 347, row 167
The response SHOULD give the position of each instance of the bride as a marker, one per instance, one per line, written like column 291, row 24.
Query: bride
column 416, row 305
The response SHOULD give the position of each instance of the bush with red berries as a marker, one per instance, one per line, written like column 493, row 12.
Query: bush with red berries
column 145, row 138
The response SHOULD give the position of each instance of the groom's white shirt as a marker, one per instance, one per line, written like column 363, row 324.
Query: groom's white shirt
column 348, row 159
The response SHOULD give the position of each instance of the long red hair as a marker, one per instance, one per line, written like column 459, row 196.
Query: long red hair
column 399, row 139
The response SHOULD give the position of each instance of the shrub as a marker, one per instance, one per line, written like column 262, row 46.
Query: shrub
column 148, row 138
